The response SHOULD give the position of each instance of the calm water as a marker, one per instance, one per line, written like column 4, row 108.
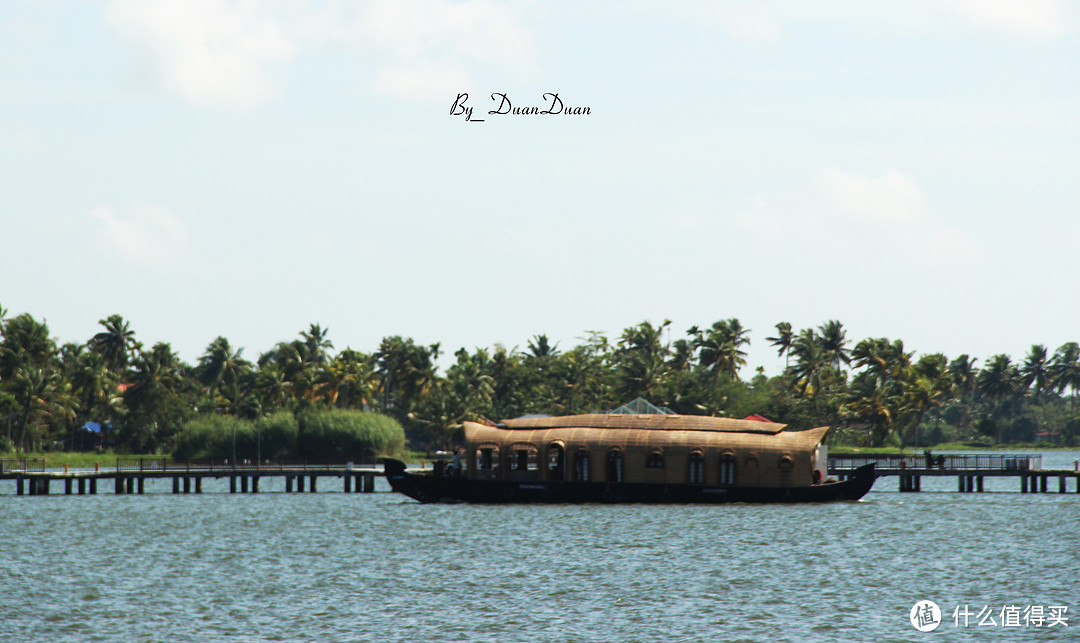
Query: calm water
column 365, row 567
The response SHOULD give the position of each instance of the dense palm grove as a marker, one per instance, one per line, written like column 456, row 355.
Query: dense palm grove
column 875, row 391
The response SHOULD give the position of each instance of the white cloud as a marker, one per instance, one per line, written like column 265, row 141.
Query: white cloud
column 1025, row 18
column 855, row 213
column 893, row 205
column 142, row 233
column 210, row 52
column 892, row 198
column 226, row 52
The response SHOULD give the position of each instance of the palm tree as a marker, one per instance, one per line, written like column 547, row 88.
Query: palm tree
column 44, row 398
column 116, row 343
column 810, row 359
column 925, row 387
column 221, row 368
column 348, row 381
column 539, row 347
column 785, row 338
column 95, row 387
column 641, row 361
column 406, row 372
column 1064, row 369
column 834, row 343
column 999, row 381
column 316, row 344
column 154, row 400
column 720, row 349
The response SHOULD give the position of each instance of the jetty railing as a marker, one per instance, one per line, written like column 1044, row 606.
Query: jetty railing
column 307, row 464
column 11, row 465
column 945, row 462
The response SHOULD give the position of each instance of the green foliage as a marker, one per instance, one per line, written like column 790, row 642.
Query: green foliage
column 278, row 435
column 302, row 398
column 212, row 436
column 342, row 433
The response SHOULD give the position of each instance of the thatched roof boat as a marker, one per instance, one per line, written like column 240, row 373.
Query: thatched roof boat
column 617, row 457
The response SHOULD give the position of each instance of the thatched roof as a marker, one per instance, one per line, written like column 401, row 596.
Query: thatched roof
column 663, row 422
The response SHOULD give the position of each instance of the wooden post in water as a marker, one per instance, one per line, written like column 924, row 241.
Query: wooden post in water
column 288, row 484
column 198, row 484
column 300, row 484
column 187, row 484
column 82, row 486
column 1023, row 484
column 142, row 485
column 348, row 482
column 979, row 481
column 176, row 484
column 314, row 484
column 93, row 486
column 243, row 484
column 1042, row 483
column 118, row 485
column 232, row 484
column 18, row 486
column 254, row 484
column 369, row 483
column 67, row 486
column 1061, row 484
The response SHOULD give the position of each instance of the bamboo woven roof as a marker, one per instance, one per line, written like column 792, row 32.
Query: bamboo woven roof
column 662, row 422
column 640, row 438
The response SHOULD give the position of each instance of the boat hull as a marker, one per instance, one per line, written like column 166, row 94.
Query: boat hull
column 427, row 487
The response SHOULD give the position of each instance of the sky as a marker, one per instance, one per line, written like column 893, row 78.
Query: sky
column 246, row 169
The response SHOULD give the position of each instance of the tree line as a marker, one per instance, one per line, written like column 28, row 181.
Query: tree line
column 114, row 392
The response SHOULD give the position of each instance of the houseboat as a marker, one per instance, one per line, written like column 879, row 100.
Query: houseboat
column 612, row 457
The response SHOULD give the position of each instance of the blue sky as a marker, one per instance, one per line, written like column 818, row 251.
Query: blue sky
column 212, row 167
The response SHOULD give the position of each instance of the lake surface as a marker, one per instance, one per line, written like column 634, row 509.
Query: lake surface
column 363, row 567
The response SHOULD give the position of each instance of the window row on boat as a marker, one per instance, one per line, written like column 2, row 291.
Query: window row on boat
column 523, row 461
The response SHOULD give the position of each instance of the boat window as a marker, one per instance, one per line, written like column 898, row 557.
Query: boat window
column 581, row 465
column 555, row 462
column 697, row 468
column 655, row 460
column 727, row 469
column 487, row 461
column 523, row 457
column 614, row 466
column 786, row 463
column 523, row 462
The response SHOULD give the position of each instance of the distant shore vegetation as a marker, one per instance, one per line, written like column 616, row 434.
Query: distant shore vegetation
column 303, row 398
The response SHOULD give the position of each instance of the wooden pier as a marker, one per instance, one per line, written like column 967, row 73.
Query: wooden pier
column 970, row 470
column 130, row 476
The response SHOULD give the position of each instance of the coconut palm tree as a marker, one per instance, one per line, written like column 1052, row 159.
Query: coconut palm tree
column 810, row 359
column 316, row 345
column 1064, row 369
column 116, row 343
column 999, row 380
column 221, row 370
column 785, row 338
column 720, row 348
column 834, row 341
